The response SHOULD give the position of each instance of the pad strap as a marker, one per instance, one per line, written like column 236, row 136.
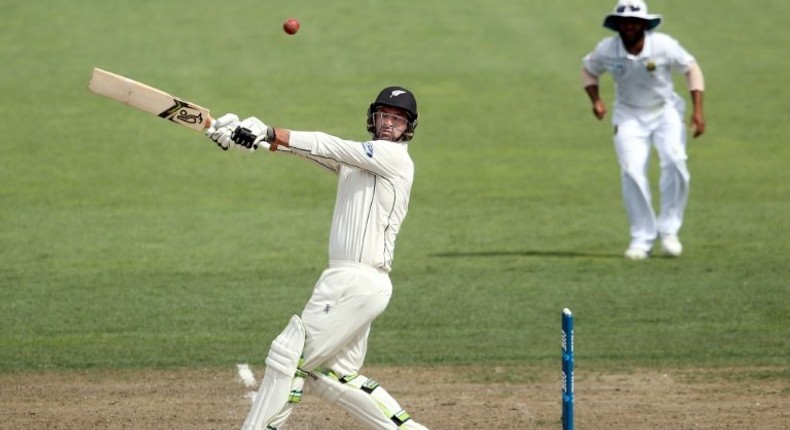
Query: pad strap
column 382, row 400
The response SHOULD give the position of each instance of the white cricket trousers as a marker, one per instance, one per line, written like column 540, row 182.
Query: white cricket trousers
column 346, row 299
column 337, row 317
column 636, row 130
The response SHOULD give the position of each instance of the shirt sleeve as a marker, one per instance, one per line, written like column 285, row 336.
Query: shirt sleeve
column 681, row 59
column 594, row 61
column 330, row 165
column 388, row 159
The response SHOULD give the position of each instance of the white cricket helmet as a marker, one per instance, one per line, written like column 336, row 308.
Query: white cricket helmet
column 631, row 9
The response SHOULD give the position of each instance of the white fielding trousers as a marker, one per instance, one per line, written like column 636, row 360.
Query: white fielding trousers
column 636, row 131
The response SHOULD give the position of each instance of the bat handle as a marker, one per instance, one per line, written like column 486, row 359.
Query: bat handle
column 208, row 122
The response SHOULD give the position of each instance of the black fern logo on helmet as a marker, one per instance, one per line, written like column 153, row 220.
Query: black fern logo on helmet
column 396, row 97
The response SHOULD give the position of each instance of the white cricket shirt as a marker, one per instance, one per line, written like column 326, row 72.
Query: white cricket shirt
column 374, row 185
column 642, row 81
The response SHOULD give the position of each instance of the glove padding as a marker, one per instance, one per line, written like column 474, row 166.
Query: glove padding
column 221, row 130
column 250, row 133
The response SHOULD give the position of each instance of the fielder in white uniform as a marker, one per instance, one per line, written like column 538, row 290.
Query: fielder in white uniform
column 322, row 350
column 647, row 111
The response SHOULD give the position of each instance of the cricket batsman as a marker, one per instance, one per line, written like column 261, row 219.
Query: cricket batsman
column 322, row 350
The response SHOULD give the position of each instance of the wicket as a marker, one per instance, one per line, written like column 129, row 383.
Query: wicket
column 567, row 369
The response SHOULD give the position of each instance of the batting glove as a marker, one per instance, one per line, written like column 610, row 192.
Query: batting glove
column 251, row 133
column 221, row 130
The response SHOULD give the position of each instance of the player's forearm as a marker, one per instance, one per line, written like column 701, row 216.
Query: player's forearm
column 696, row 100
column 590, row 83
column 697, row 117
column 282, row 137
column 592, row 92
column 696, row 85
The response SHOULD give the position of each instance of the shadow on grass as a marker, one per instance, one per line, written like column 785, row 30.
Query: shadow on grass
column 527, row 253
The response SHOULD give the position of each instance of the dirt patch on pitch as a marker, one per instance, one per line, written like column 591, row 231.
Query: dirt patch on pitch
column 440, row 398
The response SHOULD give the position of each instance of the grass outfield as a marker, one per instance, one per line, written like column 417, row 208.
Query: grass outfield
column 127, row 242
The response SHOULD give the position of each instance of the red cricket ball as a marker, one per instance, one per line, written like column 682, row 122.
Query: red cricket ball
column 291, row 26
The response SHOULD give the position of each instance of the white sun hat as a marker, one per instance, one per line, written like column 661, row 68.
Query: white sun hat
column 631, row 9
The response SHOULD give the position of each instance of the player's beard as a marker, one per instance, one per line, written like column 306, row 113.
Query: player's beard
column 390, row 133
column 632, row 33
column 632, row 38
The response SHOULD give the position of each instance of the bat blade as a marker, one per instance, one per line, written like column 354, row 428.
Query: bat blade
column 149, row 99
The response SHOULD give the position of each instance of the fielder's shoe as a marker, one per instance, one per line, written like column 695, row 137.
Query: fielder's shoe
column 635, row 254
column 671, row 245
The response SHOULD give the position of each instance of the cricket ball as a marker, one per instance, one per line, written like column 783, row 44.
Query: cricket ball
column 291, row 26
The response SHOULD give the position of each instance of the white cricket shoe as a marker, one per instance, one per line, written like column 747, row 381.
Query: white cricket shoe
column 635, row 254
column 671, row 245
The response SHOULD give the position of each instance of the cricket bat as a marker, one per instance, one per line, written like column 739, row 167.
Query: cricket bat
column 149, row 99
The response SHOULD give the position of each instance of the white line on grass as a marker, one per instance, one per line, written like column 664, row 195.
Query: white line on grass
column 246, row 375
column 248, row 378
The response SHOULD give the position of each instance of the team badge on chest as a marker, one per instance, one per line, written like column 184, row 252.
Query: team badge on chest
column 618, row 68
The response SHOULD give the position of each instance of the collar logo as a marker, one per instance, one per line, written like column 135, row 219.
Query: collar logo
column 651, row 65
